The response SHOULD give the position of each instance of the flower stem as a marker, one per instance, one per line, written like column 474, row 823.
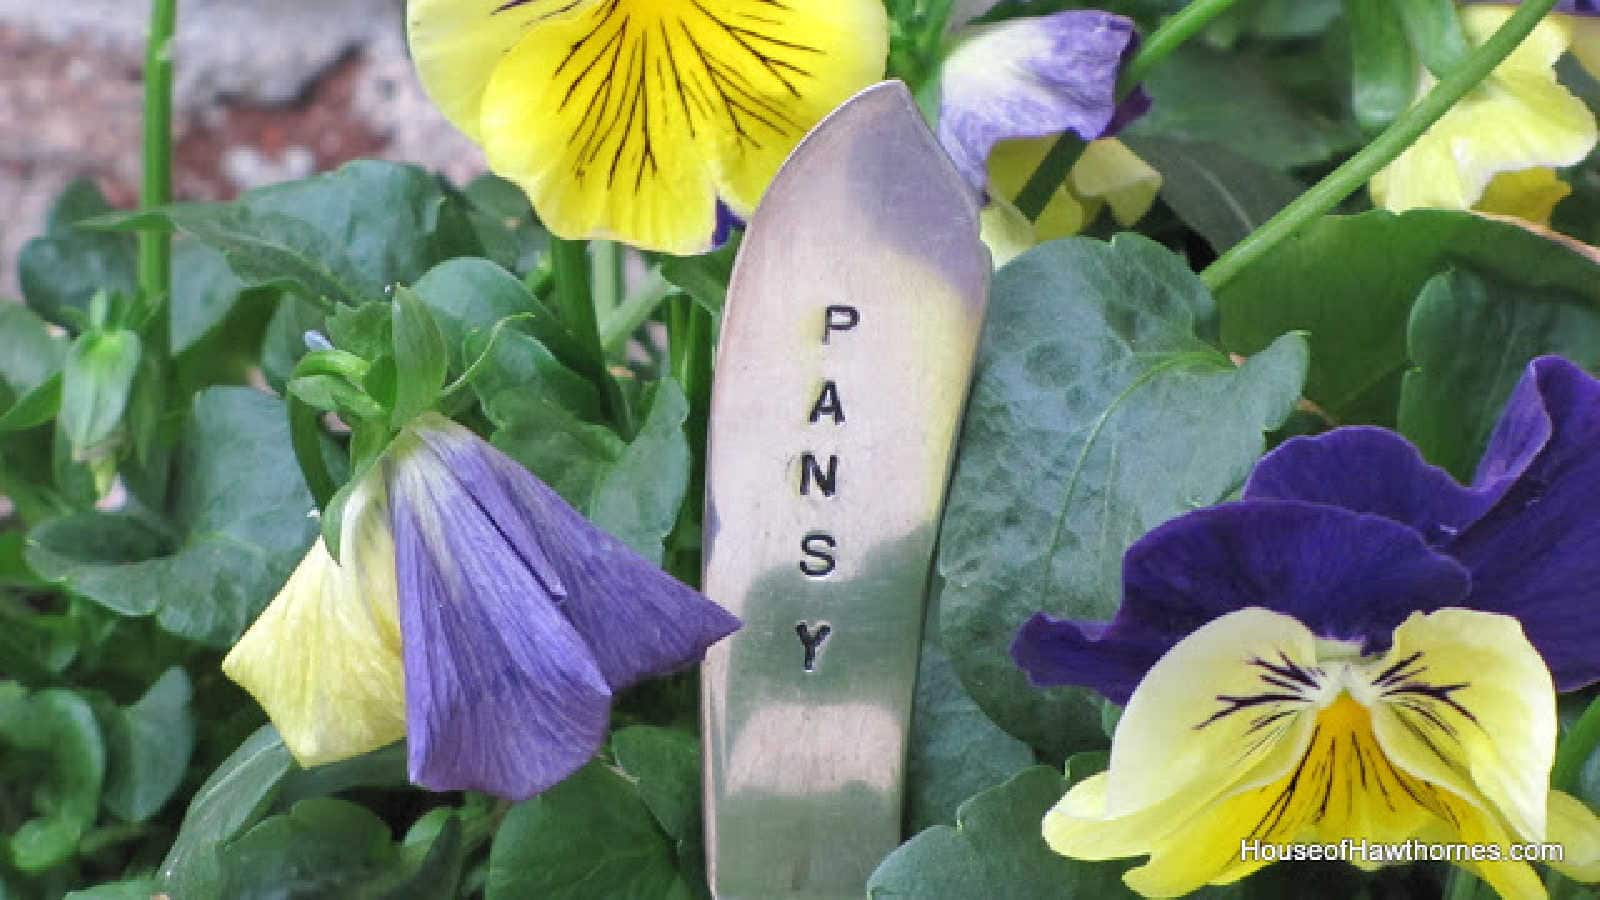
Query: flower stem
column 1402, row 133
column 1053, row 169
column 574, row 297
column 1576, row 748
column 608, row 276
column 155, row 247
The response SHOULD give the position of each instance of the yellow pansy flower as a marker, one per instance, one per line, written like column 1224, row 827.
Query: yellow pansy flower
column 631, row 119
column 1519, row 119
column 1252, row 734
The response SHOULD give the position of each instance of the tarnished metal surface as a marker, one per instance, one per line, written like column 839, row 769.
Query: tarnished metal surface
column 846, row 349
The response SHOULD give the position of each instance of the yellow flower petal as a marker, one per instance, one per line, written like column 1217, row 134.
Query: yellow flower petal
column 1577, row 830
column 1176, row 736
column 1006, row 231
column 1109, row 171
column 1469, row 705
column 324, row 658
column 628, row 119
column 1012, row 163
column 1519, row 118
column 456, row 45
column 1531, row 194
column 1250, row 731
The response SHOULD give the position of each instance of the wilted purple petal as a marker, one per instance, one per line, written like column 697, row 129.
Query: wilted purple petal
column 1032, row 77
column 637, row 621
column 1369, row 470
column 1346, row 576
column 1536, row 554
column 502, row 695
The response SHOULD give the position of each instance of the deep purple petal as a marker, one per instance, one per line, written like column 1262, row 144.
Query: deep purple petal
column 1536, row 554
column 1067, row 651
column 1521, row 434
column 1369, row 470
column 1029, row 78
column 727, row 221
column 637, row 621
column 502, row 695
column 1345, row 575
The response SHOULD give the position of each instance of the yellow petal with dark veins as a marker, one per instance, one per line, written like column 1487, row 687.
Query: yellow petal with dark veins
column 628, row 119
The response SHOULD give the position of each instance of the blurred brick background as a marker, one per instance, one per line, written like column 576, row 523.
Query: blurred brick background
column 265, row 91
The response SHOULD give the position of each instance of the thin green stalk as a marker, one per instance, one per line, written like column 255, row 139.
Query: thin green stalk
column 691, row 333
column 1053, row 169
column 572, row 270
column 634, row 311
column 1402, row 133
column 609, row 280
column 155, row 247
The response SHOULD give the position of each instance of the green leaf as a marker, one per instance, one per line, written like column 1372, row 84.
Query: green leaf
column 1471, row 338
column 67, row 266
column 1434, row 30
column 365, row 332
column 996, row 850
column 343, row 236
column 137, row 889
column 381, row 768
column 502, row 207
column 1098, row 411
column 285, row 340
column 432, row 857
column 96, row 382
column 421, row 356
column 1350, row 282
column 633, row 491
column 517, row 369
column 37, row 407
column 589, row 836
column 955, row 751
column 704, row 277
column 1384, row 70
column 29, row 353
column 237, row 794
column 1216, row 191
column 1207, row 96
column 265, row 249
column 333, row 393
column 149, row 744
column 323, row 847
column 204, row 293
column 57, row 728
column 665, row 764
column 31, row 359
column 469, row 296
column 240, row 511
column 392, row 221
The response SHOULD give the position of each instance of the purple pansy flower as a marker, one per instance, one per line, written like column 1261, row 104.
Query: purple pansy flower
column 509, row 617
column 1351, row 532
column 1359, row 650
column 1034, row 77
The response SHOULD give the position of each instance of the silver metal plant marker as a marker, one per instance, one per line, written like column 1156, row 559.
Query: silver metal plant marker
column 846, row 349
